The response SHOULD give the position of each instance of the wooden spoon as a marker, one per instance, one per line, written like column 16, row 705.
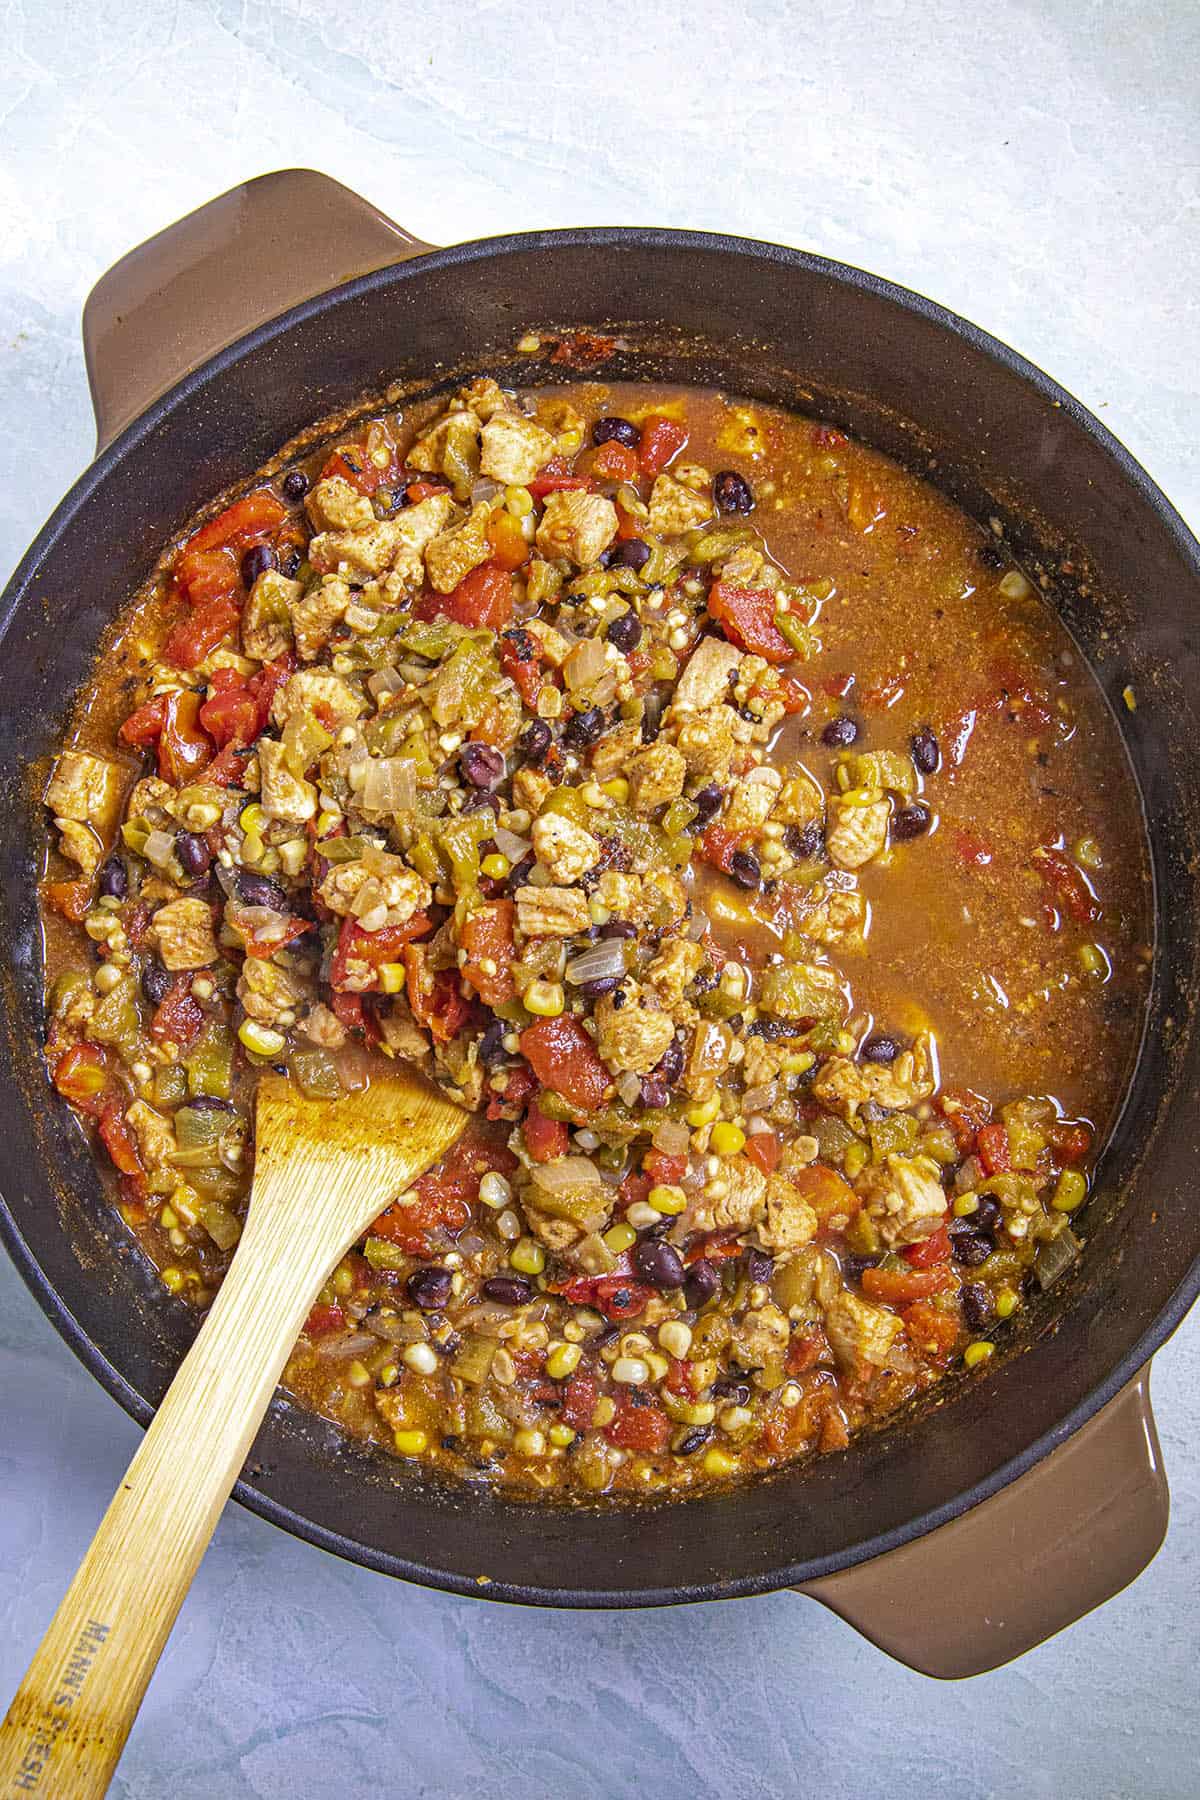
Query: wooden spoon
column 323, row 1171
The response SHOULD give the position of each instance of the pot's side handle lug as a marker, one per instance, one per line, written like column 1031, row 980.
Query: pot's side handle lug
column 242, row 259
column 1031, row 1560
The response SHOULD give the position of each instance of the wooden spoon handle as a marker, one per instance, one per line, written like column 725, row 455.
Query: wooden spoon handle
column 66, row 1727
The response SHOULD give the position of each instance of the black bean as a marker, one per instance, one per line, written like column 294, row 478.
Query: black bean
column 840, row 731
column 210, row 1103
column 655, row 1092
column 507, row 1290
column 634, row 553
column 156, row 983
column 289, row 562
column 256, row 562
column 535, row 740
column 987, row 1216
column 603, row 984
column 971, row 1247
column 926, row 751
column 732, row 492
column 659, row 1265
column 583, row 728
column 880, row 1048
column 670, row 1065
column 703, row 1281
column 708, row 801
column 114, row 880
column 491, row 1044
column 693, row 1440
column 518, row 875
column 194, row 855
column 853, row 1266
column 618, row 928
column 481, row 765
column 260, row 890
column 294, row 485
column 616, row 430
column 759, row 1266
column 745, row 868
column 976, row 1305
column 731, row 1387
column 429, row 1288
column 625, row 631
column 804, row 841
column 911, row 822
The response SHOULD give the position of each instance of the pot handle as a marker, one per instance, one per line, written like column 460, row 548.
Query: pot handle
column 231, row 265
column 1033, row 1559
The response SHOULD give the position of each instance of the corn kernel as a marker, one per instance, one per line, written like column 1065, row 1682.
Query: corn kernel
column 631, row 1371
column 530, row 1442
column 1070, row 1191
column 1092, row 960
column 561, row 1436
column 496, row 866
column 494, row 1190
column 420, row 1358
column 528, row 1257
column 604, row 1411
column 657, row 1365
column 797, row 1062
column 675, row 1338
column 617, row 789
column 735, row 1418
column 704, row 1114
column 965, row 1205
column 545, row 999
column 260, row 1039
column 518, row 501
column 667, row 1199
column 106, row 978
column 562, row 1360
column 641, row 1215
column 1007, row 1303
column 358, row 1374
column 411, row 1443
column 252, row 818
column 854, row 1160
column 326, row 822
column 620, row 1237
column 718, row 1462
column 173, row 1279
column 1088, row 852
column 727, row 1139
column 977, row 1353
column 392, row 977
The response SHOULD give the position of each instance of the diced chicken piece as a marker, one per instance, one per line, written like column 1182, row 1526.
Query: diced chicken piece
column 450, row 448
column 398, row 890
column 564, row 849
column 857, row 1329
column 839, row 921
column 530, row 787
column 844, row 1086
column 905, row 1198
column 451, row 556
column 81, row 844
column 483, row 397
column 675, row 967
column 366, row 552
column 320, row 1026
column 85, row 788
column 268, row 993
column 316, row 613
column 709, row 1058
column 790, row 1222
column 751, row 801
column 675, row 508
column 266, row 616
column 743, row 566
column 761, row 1338
column 552, row 911
column 184, row 930
column 664, row 899
column 631, row 1038
column 578, row 526
column 620, row 893
column 707, row 679
column 416, row 527
column 336, row 505
column 155, row 1135
column 706, row 742
column 763, row 1060
column 801, row 800
column 694, row 476
column 738, row 1209
column 153, row 800
column 611, row 755
column 321, row 692
column 284, row 796
column 856, row 833
column 514, row 449
column 656, row 775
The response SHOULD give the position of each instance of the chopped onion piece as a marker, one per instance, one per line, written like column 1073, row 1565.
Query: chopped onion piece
column 672, row 1137
column 567, row 1175
column 390, row 784
column 586, row 664
column 510, row 845
column 386, row 681
column 350, row 1343
column 159, row 848
column 760, row 1100
column 630, row 1089
column 598, row 962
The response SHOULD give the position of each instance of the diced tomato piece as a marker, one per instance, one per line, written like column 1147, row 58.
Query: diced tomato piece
column 971, row 850
column 582, row 349
column 189, row 642
column 119, row 1140
column 70, row 898
column 555, row 478
column 144, row 725
column 203, row 576
column 634, row 1187
column 643, row 1426
column 184, row 747
column 487, row 937
column 444, row 1196
column 137, row 924
column 747, row 616
column 579, row 1401
column 763, row 1149
column 662, row 1169
column 931, row 1333
column 933, row 1249
column 285, row 932
column 718, row 847
column 436, row 999
column 896, row 1287
column 992, row 1145
column 563, row 1057
column 417, row 491
column 323, row 1321
column 484, row 597
column 545, row 1139
column 713, row 1246
column 348, row 1010
column 835, row 1431
column 837, row 686
column 615, row 462
column 662, row 439
column 246, row 522
column 883, row 693
column 964, row 1112
column 680, row 1378
column 829, row 1196
column 1068, row 885
column 352, row 464
column 509, row 546
column 627, row 525
column 521, row 1086
column 806, row 1350
column 230, row 716
column 227, row 767
column 617, row 1296
column 795, row 696
column 371, row 947
column 81, row 1076
column 1071, row 1141
column 521, row 660
column 178, row 1018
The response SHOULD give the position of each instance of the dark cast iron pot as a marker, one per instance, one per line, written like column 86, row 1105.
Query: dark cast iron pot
column 970, row 1529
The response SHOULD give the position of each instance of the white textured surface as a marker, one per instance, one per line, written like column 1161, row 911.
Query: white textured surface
column 1034, row 166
